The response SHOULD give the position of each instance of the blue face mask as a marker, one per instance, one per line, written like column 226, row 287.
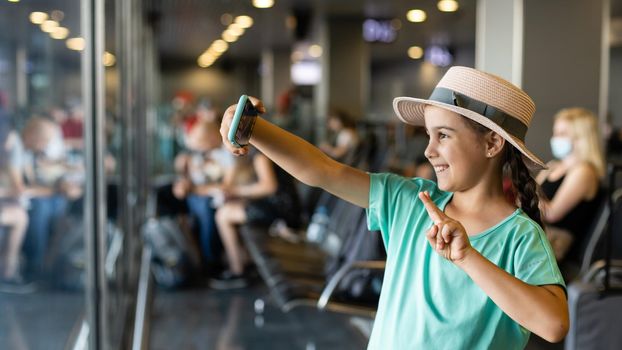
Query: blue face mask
column 561, row 146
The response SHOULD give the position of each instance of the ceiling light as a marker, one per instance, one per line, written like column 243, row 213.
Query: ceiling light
column 76, row 44
column 205, row 61
column 13, row 0
column 212, row 52
column 416, row 16
column 59, row 33
column 49, row 26
column 448, row 5
column 263, row 4
column 315, row 51
column 109, row 60
column 235, row 29
column 244, row 21
column 38, row 17
column 220, row 45
column 229, row 37
column 415, row 52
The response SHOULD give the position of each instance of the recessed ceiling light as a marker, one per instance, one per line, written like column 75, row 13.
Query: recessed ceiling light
column 315, row 51
column 263, row 4
column 109, row 60
column 229, row 37
column 49, row 26
column 59, row 33
column 206, row 60
column 244, row 21
column 76, row 44
column 38, row 17
column 448, row 5
column 220, row 45
column 235, row 29
column 415, row 52
column 416, row 15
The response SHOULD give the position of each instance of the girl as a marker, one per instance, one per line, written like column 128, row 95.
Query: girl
column 465, row 268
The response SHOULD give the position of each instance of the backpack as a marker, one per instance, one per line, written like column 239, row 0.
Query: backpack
column 173, row 259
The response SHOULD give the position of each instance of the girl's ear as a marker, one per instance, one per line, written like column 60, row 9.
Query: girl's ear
column 494, row 144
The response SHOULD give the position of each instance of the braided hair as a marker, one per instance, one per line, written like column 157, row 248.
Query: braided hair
column 523, row 184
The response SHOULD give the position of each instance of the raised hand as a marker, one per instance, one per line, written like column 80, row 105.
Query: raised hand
column 227, row 118
column 447, row 236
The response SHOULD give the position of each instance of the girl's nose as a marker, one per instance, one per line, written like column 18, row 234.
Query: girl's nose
column 430, row 151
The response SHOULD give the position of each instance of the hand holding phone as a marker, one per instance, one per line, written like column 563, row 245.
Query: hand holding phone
column 243, row 122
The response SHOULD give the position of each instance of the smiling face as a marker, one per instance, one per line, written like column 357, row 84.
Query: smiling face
column 455, row 149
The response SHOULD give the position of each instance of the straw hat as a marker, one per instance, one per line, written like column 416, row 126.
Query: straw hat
column 485, row 98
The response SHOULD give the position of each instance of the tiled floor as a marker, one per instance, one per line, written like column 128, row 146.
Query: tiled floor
column 190, row 319
column 206, row 319
column 201, row 318
column 41, row 320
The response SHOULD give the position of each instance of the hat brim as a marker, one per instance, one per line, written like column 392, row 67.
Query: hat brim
column 411, row 111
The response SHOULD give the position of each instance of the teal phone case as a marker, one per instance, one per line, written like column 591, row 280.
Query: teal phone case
column 236, row 120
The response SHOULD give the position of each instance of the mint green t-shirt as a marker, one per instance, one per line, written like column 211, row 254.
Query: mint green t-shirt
column 429, row 303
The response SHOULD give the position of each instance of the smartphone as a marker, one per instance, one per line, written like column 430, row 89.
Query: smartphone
column 243, row 121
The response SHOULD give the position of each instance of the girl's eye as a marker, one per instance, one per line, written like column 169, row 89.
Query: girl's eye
column 441, row 135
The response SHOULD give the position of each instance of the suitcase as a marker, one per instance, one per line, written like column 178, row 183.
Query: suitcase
column 595, row 298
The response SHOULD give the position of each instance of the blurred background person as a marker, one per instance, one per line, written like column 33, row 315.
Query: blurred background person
column 284, row 111
column 201, row 173
column 13, row 216
column 343, row 138
column 406, row 154
column 46, row 186
column 572, row 182
column 260, row 193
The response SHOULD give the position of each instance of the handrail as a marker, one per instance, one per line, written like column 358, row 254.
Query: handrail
column 340, row 274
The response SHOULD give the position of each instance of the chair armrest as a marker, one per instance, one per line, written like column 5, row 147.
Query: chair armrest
column 336, row 279
column 598, row 266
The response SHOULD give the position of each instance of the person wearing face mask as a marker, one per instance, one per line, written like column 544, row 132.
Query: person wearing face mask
column 572, row 181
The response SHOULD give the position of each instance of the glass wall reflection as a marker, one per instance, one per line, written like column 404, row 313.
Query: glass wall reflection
column 42, row 174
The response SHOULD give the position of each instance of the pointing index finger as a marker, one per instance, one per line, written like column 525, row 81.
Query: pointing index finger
column 435, row 213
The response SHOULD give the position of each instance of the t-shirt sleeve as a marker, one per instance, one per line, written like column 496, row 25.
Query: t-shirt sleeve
column 534, row 260
column 375, row 208
column 382, row 198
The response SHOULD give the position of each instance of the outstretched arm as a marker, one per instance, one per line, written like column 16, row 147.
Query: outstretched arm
column 541, row 309
column 302, row 160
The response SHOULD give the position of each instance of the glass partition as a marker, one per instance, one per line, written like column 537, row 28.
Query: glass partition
column 72, row 184
column 43, row 265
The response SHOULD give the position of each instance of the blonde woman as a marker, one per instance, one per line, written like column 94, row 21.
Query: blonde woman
column 572, row 181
